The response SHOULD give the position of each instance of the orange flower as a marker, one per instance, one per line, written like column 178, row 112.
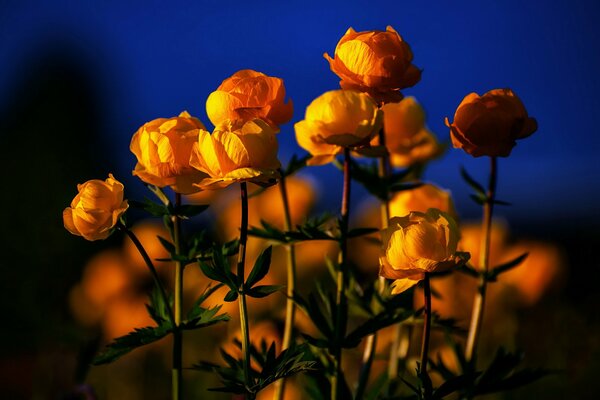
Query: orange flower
column 162, row 148
column 406, row 137
column 237, row 152
column 334, row 120
column 421, row 199
column 375, row 62
column 489, row 125
column 96, row 209
column 416, row 244
column 248, row 94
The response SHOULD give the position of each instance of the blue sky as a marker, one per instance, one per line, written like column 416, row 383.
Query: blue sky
column 154, row 59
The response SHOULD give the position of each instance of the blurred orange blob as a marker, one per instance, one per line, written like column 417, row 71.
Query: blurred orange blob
column 147, row 232
column 106, row 276
column 124, row 314
column 293, row 391
column 421, row 199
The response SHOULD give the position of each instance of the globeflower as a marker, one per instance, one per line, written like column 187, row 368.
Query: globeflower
column 337, row 119
column 247, row 95
column 237, row 151
column 417, row 244
column 489, row 125
column 96, row 209
column 421, row 199
column 163, row 147
column 407, row 138
column 375, row 62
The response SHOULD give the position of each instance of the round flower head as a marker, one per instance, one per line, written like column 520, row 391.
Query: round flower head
column 416, row 244
column 237, row 151
column 489, row 125
column 162, row 148
column 421, row 199
column 96, row 209
column 406, row 137
column 248, row 94
column 334, row 120
column 376, row 62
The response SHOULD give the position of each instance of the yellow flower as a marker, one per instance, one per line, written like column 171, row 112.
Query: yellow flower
column 247, row 95
column 416, row 244
column 421, row 199
column 96, row 209
column 162, row 148
column 376, row 62
column 337, row 119
column 237, row 152
column 489, row 125
column 406, row 137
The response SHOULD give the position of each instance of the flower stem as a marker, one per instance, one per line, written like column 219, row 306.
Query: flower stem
column 242, row 293
column 340, row 300
column 136, row 242
column 290, row 310
column 371, row 342
column 484, row 261
column 426, row 331
column 177, row 377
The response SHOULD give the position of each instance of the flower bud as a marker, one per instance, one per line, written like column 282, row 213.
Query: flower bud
column 162, row 148
column 96, row 209
column 247, row 95
column 489, row 125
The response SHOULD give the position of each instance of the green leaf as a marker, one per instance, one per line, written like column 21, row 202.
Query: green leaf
column 402, row 186
column 263, row 290
column 479, row 199
column 190, row 210
column 261, row 268
column 203, row 317
column 232, row 295
column 124, row 344
column 196, row 308
column 157, row 308
column 379, row 321
column 479, row 190
column 157, row 210
column 496, row 271
column 295, row 165
column 170, row 247
column 455, row 384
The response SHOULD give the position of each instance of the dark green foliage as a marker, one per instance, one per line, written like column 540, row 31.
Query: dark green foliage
column 124, row 344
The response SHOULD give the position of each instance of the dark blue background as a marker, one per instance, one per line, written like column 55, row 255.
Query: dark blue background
column 154, row 59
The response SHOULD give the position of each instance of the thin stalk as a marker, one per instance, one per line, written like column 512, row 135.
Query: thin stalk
column 242, row 292
column 136, row 242
column 426, row 330
column 371, row 342
column 290, row 306
column 341, row 279
column 177, row 377
column 484, row 261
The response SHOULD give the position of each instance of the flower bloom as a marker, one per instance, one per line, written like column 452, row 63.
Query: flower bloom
column 489, row 125
column 334, row 120
column 96, row 209
column 163, row 147
column 237, row 151
column 417, row 244
column 376, row 62
column 247, row 95
column 421, row 199
column 406, row 137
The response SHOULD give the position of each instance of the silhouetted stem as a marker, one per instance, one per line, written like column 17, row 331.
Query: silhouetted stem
column 290, row 309
column 242, row 294
column 341, row 301
column 426, row 334
column 484, row 261
column 177, row 377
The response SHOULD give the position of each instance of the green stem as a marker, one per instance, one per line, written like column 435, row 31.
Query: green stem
column 291, row 285
column 371, row 342
column 177, row 377
column 136, row 242
column 484, row 261
column 242, row 293
column 341, row 301
column 426, row 332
